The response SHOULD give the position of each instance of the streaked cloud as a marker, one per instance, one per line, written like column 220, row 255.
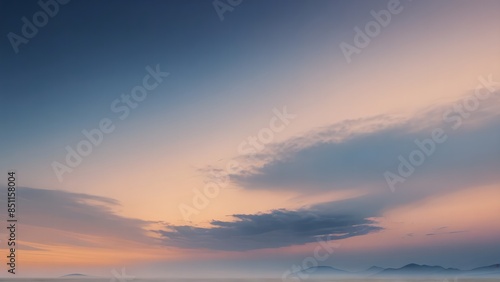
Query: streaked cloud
column 356, row 153
column 54, row 216
column 277, row 228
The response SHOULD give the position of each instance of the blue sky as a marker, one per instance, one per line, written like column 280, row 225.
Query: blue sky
column 321, row 174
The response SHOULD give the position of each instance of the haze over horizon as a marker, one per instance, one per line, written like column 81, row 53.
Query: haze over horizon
column 172, row 139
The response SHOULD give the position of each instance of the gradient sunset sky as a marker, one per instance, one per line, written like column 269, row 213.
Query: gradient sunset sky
column 134, row 201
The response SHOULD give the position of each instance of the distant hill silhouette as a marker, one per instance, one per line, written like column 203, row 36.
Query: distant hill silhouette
column 414, row 269
column 409, row 270
column 75, row 275
column 321, row 271
column 485, row 271
column 371, row 271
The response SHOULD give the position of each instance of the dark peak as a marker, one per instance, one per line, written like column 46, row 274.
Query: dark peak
column 490, row 267
column 412, row 265
column 372, row 270
column 74, row 275
column 321, row 268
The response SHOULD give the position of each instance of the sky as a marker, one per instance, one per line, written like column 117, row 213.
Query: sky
column 234, row 138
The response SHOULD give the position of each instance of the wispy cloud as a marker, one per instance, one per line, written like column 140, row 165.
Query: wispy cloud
column 351, row 154
column 356, row 153
column 52, row 216
column 277, row 228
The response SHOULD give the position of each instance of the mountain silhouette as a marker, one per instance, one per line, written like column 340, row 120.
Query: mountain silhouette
column 409, row 270
column 321, row 271
column 74, row 275
column 419, row 270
